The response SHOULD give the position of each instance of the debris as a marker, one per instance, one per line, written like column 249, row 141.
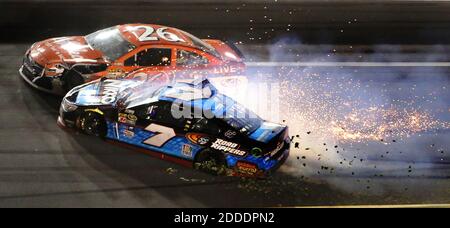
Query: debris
column 171, row 171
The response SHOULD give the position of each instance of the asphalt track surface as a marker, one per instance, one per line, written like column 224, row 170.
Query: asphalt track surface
column 44, row 166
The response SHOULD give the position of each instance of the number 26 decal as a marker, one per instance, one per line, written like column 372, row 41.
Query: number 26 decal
column 161, row 32
column 162, row 135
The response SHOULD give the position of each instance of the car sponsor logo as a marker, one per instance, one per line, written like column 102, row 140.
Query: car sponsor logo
column 228, row 147
column 187, row 150
column 246, row 168
column 110, row 91
column 127, row 119
column 128, row 133
column 129, row 111
column 257, row 152
column 198, row 139
column 225, row 70
column 230, row 134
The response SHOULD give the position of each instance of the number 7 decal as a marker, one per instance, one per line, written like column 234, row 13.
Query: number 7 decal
column 162, row 135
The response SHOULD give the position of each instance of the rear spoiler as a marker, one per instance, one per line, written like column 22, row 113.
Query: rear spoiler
column 235, row 49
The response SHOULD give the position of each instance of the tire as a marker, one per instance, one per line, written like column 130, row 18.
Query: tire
column 211, row 162
column 93, row 124
column 72, row 79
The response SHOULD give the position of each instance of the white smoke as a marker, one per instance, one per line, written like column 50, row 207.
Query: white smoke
column 354, row 127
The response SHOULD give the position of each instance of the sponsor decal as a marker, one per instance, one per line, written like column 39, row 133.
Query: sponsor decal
column 187, row 150
column 257, row 152
column 128, row 133
column 127, row 118
column 198, row 139
column 110, row 91
column 228, row 147
column 225, row 70
column 246, row 168
column 230, row 134
column 129, row 111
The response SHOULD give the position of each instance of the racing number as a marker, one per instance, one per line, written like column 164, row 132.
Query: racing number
column 146, row 36
column 163, row 134
column 161, row 32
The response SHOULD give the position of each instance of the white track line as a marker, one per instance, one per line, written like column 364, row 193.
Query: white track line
column 385, row 206
column 348, row 64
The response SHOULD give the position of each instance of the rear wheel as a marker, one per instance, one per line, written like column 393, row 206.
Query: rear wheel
column 211, row 162
column 94, row 124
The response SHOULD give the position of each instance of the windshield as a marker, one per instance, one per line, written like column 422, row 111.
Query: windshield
column 202, row 45
column 110, row 42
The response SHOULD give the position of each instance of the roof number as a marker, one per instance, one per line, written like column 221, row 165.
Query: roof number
column 161, row 32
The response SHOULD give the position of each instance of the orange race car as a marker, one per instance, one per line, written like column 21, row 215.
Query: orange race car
column 60, row 64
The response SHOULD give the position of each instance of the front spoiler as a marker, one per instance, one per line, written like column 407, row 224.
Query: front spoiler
column 261, row 173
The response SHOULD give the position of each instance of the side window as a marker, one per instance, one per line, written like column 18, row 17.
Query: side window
column 151, row 57
column 187, row 58
column 160, row 113
column 207, row 126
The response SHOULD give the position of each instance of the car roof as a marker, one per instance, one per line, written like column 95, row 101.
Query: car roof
column 194, row 93
column 132, row 32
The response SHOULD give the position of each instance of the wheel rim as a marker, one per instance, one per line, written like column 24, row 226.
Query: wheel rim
column 91, row 125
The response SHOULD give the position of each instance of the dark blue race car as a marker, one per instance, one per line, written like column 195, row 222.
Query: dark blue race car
column 191, row 124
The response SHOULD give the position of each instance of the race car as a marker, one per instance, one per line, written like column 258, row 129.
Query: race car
column 188, row 123
column 60, row 64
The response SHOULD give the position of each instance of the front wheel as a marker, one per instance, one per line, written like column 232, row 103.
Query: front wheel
column 93, row 124
column 211, row 162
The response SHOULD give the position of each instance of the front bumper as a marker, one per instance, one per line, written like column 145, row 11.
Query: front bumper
column 281, row 160
column 257, row 168
column 34, row 75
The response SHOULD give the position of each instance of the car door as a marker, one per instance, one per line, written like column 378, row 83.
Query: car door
column 154, row 128
column 152, row 58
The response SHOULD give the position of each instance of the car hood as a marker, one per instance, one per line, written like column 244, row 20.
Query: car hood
column 101, row 92
column 65, row 49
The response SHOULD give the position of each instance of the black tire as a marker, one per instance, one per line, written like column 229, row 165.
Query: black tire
column 72, row 79
column 94, row 124
column 211, row 162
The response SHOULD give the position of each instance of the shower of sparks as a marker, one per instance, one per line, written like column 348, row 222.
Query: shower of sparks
column 341, row 108
column 378, row 124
